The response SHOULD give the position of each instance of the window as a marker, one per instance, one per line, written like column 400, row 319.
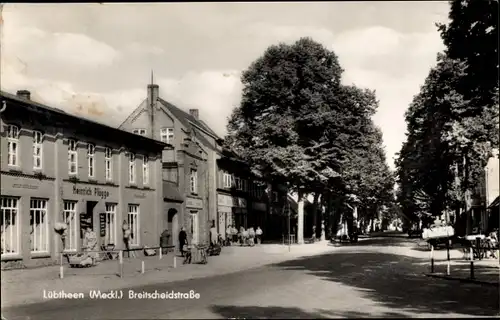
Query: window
column 141, row 132
column 238, row 183
column 193, row 181
column 131, row 166
column 39, row 226
column 9, row 208
column 133, row 222
column 108, row 158
column 91, row 159
column 72, row 157
column 12, row 145
column 145, row 170
column 69, row 217
column 167, row 135
column 37, row 149
column 227, row 180
column 110, row 237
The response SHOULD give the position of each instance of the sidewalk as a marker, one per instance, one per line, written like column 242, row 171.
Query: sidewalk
column 26, row 286
column 485, row 271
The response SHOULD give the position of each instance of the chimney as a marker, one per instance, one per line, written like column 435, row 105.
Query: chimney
column 24, row 94
column 153, row 93
column 194, row 113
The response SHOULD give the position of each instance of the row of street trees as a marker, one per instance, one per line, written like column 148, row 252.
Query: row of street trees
column 452, row 123
column 298, row 126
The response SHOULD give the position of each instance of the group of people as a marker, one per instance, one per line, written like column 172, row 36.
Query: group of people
column 243, row 237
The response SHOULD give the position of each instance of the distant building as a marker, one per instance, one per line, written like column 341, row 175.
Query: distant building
column 56, row 167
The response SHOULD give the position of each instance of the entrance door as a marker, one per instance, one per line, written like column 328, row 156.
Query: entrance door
column 173, row 227
column 194, row 227
column 87, row 218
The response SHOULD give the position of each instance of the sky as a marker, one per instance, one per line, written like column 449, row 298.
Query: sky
column 95, row 60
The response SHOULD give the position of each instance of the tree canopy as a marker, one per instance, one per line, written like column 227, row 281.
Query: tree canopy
column 298, row 125
column 452, row 123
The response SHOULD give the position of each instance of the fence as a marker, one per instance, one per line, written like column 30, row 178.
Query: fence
column 469, row 265
column 114, row 262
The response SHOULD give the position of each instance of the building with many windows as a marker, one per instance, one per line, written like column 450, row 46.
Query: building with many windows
column 188, row 170
column 56, row 167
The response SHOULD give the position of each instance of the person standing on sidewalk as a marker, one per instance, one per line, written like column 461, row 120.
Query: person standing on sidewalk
column 126, row 237
column 234, row 233
column 258, row 234
column 228, row 235
column 182, row 240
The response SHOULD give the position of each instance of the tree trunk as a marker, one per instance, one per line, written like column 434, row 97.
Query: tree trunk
column 315, row 216
column 300, row 218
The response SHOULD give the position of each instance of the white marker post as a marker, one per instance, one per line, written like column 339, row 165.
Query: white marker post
column 142, row 266
column 61, row 268
column 432, row 258
column 175, row 262
column 160, row 253
column 121, row 263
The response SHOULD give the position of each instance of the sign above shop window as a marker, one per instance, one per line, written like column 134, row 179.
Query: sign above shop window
column 89, row 191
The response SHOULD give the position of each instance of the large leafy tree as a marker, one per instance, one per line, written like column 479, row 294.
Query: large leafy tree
column 278, row 127
column 453, row 121
column 297, row 125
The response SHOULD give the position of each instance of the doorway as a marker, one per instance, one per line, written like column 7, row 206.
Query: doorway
column 173, row 226
column 87, row 218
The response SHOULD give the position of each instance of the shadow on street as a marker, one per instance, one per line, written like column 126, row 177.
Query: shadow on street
column 255, row 312
column 398, row 282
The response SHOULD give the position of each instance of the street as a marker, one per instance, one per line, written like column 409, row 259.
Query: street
column 367, row 280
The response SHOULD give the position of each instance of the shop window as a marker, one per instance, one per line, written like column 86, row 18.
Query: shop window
column 69, row 217
column 39, row 226
column 9, row 209
column 110, row 237
column 133, row 222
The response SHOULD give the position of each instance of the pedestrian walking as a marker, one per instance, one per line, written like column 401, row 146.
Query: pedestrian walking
column 234, row 233
column 258, row 234
column 251, row 236
column 127, row 234
column 182, row 240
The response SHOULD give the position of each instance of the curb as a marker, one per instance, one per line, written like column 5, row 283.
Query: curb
column 439, row 276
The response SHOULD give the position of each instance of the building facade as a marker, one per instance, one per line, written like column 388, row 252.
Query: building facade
column 190, row 167
column 56, row 167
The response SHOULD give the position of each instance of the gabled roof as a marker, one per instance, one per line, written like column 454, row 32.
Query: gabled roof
column 188, row 120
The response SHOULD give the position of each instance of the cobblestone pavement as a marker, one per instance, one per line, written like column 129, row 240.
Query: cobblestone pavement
column 375, row 278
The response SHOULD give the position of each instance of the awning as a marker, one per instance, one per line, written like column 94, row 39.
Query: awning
column 171, row 192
